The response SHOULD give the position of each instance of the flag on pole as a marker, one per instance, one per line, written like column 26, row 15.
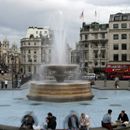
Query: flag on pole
column 95, row 13
column 82, row 15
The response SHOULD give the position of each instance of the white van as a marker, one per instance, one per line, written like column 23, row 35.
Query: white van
column 91, row 76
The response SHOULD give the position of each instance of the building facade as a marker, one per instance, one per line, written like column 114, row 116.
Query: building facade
column 7, row 53
column 104, row 44
column 35, row 49
column 91, row 51
column 119, row 38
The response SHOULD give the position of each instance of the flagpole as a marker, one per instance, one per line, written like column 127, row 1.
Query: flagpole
column 95, row 14
column 82, row 16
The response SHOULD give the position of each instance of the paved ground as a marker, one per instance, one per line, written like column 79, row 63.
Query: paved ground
column 109, row 85
column 99, row 84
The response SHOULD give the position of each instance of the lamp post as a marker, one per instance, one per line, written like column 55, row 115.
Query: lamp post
column 14, row 74
column 12, row 61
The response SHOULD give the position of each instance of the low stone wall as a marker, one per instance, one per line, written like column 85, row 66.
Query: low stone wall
column 7, row 127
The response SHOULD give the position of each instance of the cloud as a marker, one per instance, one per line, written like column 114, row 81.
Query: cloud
column 109, row 2
column 17, row 15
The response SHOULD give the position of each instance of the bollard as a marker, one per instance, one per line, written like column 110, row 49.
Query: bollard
column 129, row 83
column 105, row 82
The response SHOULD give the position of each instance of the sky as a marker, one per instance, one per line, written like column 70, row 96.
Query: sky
column 17, row 15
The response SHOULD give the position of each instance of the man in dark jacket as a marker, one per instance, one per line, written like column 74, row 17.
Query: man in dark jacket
column 123, row 117
column 51, row 121
column 28, row 121
column 73, row 122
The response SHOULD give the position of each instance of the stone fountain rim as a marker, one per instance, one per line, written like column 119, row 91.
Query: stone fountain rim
column 77, row 82
column 61, row 65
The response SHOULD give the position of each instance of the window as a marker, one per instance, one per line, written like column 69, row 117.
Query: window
column 115, row 26
column 35, row 60
column 117, row 18
column 115, row 36
column 103, row 53
column 31, row 36
column 29, row 51
column 86, row 45
column 103, row 45
column 96, row 63
column 124, row 46
column 86, row 37
column 96, row 36
column 124, row 25
column 124, row 57
column 29, row 43
column 96, row 54
column 115, row 47
column 95, row 45
column 103, row 63
column 35, row 51
column 124, row 17
column 103, row 27
column 45, row 32
column 29, row 69
column 115, row 57
column 123, row 36
column 103, row 35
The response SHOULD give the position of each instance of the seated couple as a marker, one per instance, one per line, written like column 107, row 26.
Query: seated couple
column 122, row 119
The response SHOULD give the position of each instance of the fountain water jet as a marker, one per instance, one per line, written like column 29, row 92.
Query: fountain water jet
column 63, row 90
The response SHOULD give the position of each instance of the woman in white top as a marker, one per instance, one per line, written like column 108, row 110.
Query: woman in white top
column 84, row 122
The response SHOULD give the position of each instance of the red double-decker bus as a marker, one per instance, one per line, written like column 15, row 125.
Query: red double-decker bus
column 118, row 70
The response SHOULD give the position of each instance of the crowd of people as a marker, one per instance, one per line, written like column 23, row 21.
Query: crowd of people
column 73, row 122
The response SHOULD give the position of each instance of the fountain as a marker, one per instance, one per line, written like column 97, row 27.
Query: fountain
column 60, row 89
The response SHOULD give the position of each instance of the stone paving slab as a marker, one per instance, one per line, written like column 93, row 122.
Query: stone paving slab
column 109, row 85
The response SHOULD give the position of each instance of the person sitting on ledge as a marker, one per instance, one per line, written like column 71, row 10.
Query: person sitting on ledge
column 106, row 121
column 28, row 121
column 123, row 118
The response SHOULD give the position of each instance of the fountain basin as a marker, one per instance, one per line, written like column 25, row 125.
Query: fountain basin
column 60, row 92
column 60, row 71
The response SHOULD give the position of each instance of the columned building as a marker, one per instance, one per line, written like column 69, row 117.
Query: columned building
column 7, row 53
column 92, row 47
column 35, row 49
column 119, row 38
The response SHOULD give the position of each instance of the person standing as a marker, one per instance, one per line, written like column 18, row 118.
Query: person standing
column 116, row 82
column 106, row 121
column 6, row 83
column 2, row 84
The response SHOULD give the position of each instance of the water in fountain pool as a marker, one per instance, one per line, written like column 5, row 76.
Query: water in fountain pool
column 14, row 104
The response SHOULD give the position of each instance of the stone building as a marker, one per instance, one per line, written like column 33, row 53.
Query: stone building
column 119, row 38
column 104, row 44
column 7, row 53
column 91, row 51
column 35, row 49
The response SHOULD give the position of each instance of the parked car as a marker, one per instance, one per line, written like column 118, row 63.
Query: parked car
column 91, row 76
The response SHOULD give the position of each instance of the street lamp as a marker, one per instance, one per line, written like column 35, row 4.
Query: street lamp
column 14, row 73
column 12, row 61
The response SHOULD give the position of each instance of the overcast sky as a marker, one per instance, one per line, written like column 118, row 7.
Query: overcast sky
column 17, row 15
